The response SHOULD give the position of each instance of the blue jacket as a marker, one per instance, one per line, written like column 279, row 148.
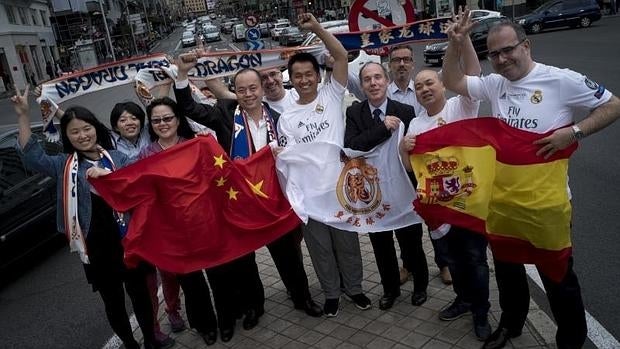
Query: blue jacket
column 35, row 158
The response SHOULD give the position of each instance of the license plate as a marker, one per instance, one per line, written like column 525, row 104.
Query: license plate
column 433, row 60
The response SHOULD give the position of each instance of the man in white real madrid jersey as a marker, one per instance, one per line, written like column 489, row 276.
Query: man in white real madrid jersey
column 317, row 116
column 538, row 98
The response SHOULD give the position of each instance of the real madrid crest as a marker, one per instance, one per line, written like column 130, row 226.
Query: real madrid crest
column 319, row 109
column 358, row 188
column 536, row 97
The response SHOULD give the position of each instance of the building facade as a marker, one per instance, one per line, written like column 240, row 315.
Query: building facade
column 26, row 42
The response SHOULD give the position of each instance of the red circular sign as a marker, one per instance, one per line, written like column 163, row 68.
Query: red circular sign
column 359, row 8
column 250, row 21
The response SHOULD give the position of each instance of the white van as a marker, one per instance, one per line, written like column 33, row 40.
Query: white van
column 278, row 28
column 238, row 32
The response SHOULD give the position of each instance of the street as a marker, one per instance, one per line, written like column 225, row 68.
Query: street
column 52, row 306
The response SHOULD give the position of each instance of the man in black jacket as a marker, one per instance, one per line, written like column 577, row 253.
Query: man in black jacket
column 369, row 124
column 248, row 118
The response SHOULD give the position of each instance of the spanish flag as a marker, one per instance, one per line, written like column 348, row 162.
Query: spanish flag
column 483, row 175
column 193, row 207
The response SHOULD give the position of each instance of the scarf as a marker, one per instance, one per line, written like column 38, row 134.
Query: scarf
column 242, row 146
column 73, row 230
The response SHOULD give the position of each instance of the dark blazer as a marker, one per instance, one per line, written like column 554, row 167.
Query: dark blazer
column 364, row 133
column 219, row 118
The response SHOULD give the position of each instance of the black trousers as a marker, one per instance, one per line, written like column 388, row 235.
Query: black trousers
column 237, row 288
column 200, row 313
column 412, row 253
column 287, row 256
column 113, row 294
column 564, row 299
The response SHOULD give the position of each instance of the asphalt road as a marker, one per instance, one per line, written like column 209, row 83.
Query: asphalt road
column 51, row 306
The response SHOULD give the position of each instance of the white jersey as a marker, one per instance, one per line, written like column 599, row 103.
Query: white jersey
column 544, row 100
column 456, row 108
column 319, row 120
column 290, row 98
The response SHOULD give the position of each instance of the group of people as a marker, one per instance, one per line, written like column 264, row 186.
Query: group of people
column 276, row 117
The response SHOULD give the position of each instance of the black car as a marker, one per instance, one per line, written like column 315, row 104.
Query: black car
column 561, row 13
column 291, row 37
column 27, row 204
column 433, row 53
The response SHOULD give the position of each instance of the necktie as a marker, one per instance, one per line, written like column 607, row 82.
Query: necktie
column 377, row 115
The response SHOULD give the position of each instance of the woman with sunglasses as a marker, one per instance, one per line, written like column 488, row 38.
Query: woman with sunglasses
column 131, row 135
column 168, row 127
column 93, row 228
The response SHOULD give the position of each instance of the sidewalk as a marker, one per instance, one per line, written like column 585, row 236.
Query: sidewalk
column 403, row 326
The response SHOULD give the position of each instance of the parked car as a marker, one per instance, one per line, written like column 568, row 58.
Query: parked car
column 356, row 58
column 291, row 36
column 238, row 32
column 227, row 26
column 27, row 204
column 264, row 30
column 561, row 13
column 278, row 28
column 188, row 39
column 433, row 53
column 211, row 33
column 477, row 15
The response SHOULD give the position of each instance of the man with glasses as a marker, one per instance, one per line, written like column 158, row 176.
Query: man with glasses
column 276, row 95
column 401, row 88
column 538, row 98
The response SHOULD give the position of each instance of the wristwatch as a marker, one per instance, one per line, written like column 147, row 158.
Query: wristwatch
column 577, row 133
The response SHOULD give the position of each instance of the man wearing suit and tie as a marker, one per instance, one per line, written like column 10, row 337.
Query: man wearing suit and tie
column 370, row 123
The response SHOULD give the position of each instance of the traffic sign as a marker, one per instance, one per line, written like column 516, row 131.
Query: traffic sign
column 373, row 14
column 250, row 21
column 252, row 34
column 255, row 45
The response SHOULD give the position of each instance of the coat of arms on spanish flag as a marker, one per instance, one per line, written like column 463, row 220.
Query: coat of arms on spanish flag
column 483, row 175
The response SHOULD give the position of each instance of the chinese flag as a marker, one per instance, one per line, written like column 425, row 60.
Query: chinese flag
column 483, row 175
column 193, row 208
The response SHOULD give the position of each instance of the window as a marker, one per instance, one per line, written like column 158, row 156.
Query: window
column 44, row 18
column 10, row 14
column 33, row 15
column 22, row 15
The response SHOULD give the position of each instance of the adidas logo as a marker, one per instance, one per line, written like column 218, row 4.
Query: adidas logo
column 503, row 96
column 301, row 124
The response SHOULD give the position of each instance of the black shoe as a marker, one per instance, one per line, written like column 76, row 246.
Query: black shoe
column 499, row 338
column 482, row 329
column 310, row 308
column 227, row 333
column 455, row 310
column 361, row 301
column 331, row 307
column 418, row 298
column 387, row 301
column 251, row 318
column 210, row 337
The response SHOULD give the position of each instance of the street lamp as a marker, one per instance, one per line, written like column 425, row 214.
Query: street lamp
column 107, row 31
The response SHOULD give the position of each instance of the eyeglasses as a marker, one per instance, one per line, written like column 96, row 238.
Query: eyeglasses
column 398, row 59
column 165, row 119
column 504, row 50
column 272, row 75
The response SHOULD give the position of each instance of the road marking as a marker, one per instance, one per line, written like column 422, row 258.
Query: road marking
column 596, row 332
column 114, row 342
column 234, row 47
column 178, row 45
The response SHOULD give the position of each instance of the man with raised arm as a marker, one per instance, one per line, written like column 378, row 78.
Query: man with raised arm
column 538, row 98
column 317, row 116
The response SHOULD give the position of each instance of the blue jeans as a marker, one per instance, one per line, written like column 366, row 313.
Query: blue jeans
column 467, row 261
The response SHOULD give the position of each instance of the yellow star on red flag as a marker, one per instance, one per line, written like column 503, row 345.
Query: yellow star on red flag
column 219, row 161
column 257, row 189
column 232, row 193
column 220, row 181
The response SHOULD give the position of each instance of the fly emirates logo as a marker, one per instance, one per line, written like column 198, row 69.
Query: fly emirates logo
column 311, row 131
column 516, row 120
